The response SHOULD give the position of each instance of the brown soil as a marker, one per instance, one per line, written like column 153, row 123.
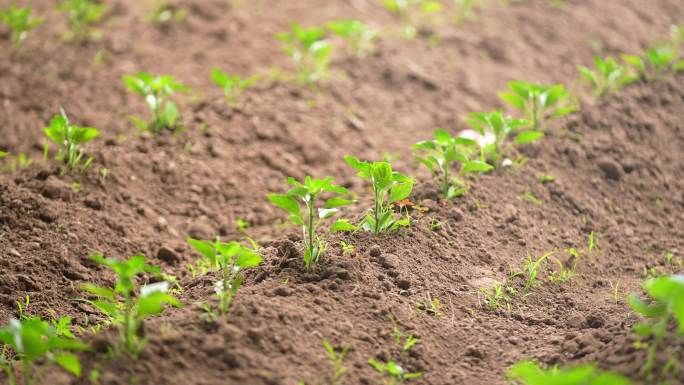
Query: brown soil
column 618, row 163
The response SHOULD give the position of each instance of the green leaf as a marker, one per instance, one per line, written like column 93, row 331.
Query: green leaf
column 476, row 166
column 69, row 362
column 337, row 202
column 205, row 248
column 400, row 191
column 528, row 137
column 513, row 99
column 247, row 258
column 343, row 225
column 285, row 202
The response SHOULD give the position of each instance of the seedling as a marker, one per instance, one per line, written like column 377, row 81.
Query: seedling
column 532, row 268
column 656, row 62
column 165, row 11
column 357, row 34
column 337, row 360
column 392, row 373
column 497, row 296
column 432, row 306
column 404, row 340
column 609, row 77
column 309, row 49
column 232, row 85
column 440, row 155
column 33, row 341
column 347, row 248
column 465, row 10
column 82, row 13
column 565, row 273
column 538, row 102
column 156, row 90
column 312, row 217
column 615, row 292
column 409, row 11
column 127, row 307
column 23, row 307
column 529, row 373
column 544, row 179
column 19, row 20
column 665, row 308
column 389, row 187
column 229, row 260
column 501, row 133
column 3, row 154
column 69, row 139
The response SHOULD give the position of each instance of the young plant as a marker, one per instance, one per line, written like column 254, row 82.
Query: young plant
column 497, row 296
column 82, row 13
column 392, row 373
column 609, row 77
column 538, row 102
column 529, row 373
column 465, row 10
column 33, row 341
column 156, row 90
column 357, row 34
column 337, row 360
column 665, row 309
column 229, row 259
column 69, row 139
column 127, row 307
column 499, row 134
column 232, row 85
column 388, row 187
column 656, row 62
column 309, row 49
column 312, row 217
column 532, row 268
column 19, row 20
column 3, row 154
column 440, row 155
column 410, row 12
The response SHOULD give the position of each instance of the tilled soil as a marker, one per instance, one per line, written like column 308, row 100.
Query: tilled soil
column 618, row 167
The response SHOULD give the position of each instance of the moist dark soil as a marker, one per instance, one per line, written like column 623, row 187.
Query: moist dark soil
column 618, row 165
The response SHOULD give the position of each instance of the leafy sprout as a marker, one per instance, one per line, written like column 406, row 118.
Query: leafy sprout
column 69, row 139
column 229, row 259
column 465, row 10
column 156, row 90
column 656, row 62
column 538, row 102
column 529, row 373
column 357, row 34
column 392, row 372
column 439, row 156
column 232, row 85
column 409, row 12
column 3, row 154
column 124, row 305
column 388, row 187
column 499, row 134
column 82, row 13
column 309, row 49
column 33, row 341
column 312, row 217
column 337, row 360
column 665, row 309
column 19, row 20
column 609, row 77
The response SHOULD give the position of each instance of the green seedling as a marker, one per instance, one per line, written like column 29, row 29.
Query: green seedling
column 69, row 139
column 529, row 373
column 3, row 154
column 405, row 341
column 19, row 20
column 592, row 242
column 23, row 307
column 538, row 102
column 305, row 195
column 656, row 62
column 127, row 307
column 532, row 268
column 499, row 134
column 15, row 162
column 156, row 90
column 565, row 272
column 665, row 309
column 609, row 77
column 440, row 155
column 232, row 85
column 165, row 11
column 392, row 373
column 82, row 14
column 615, row 292
column 409, row 12
column 310, row 51
column 389, row 187
column 347, row 248
column 497, row 296
column 465, row 10
column 32, row 342
column 229, row 260
column 544, row 179
column 357, row 34
column 431, row 306
column 337, row 360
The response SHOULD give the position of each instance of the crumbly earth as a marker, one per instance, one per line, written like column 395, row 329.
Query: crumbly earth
column 618, row 165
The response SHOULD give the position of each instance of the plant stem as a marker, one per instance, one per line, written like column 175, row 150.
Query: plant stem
column 445, row 183
column 310, row 205
column 376, row 211
column 26, row 368
column 128, row 340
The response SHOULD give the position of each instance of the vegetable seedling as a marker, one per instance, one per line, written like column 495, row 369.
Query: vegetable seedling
column 82, row 13
column 19, row 20
column 357, row 34
column 656, row 62
column 392, row 372
column 69, row 139
column 439, row 156
column 156, row 90
column 311, row 218
column 609, row 77
column 409, row 11
column 500, row 134
column 337, row 360
column 34, row 341
column 127, row 307
column 666, row 307
column 232, row 85
column 389, row 187
column 529, row 373
column 532, row 268
column 310, row 51
column 229, row 259
column 538, row 102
